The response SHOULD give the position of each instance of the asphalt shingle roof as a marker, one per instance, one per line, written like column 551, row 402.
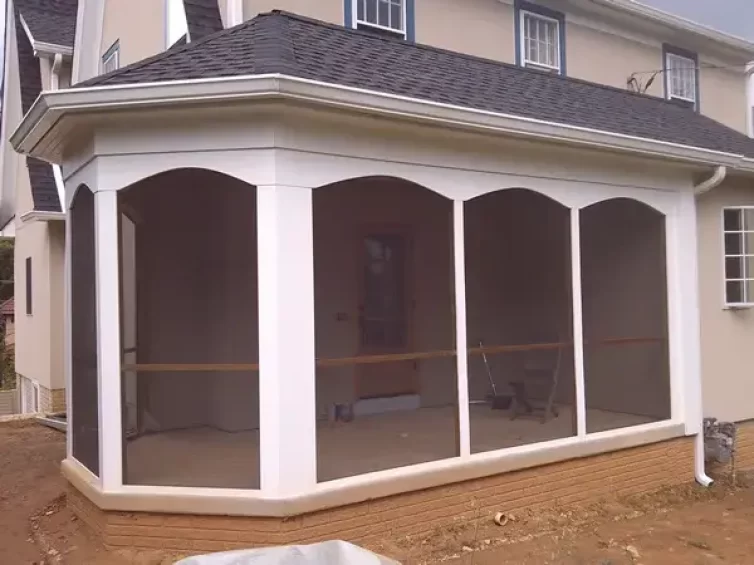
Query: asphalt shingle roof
column 50, row 21
column 202, row 18
column 279, row 42
column 46, row 15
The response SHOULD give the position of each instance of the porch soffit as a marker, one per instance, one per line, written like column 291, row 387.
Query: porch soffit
column 284, row 56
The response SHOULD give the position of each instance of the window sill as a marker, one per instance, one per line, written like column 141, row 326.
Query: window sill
column 380, row 30
column 742, row 306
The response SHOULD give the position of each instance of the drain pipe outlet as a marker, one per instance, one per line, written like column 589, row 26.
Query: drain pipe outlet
column 700, row 473
column 717, row 177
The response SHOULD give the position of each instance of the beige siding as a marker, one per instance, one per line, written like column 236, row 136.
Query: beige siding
column 485, row 31
column 606, row 58
column 139, row 25
column 727, row 335
column 722, row 95
column 33, row 346
column 327, row 10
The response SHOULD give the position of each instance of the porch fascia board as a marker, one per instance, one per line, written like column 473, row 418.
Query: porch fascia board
column 51, row 107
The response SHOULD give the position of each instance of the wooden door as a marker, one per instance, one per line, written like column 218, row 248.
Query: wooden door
column 384, row 314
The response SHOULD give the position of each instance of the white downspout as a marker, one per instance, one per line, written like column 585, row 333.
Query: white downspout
column 57, row 172
column 700, row 473
column 717, row 177
column 750, row 99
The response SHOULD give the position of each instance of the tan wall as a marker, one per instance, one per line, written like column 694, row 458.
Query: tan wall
column 327, row 10
column 607, row 58
column 722, row 96
column 726, row 335
column 139, row 25
column 56, row 274
column 33, row 346
column 385, row 520
column 489, row 27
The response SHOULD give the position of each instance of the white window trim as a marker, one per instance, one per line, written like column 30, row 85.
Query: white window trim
column 357, row 22
column 669, row 82
column 525, row 62
column 113, row 52
column 749, row 303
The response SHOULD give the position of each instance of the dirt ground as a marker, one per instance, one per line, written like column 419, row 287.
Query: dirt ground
column 687, row 525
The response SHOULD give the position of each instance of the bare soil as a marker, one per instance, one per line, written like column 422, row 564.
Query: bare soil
column 687, row 525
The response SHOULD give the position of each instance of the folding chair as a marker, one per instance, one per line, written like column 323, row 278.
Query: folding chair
column 539, row 380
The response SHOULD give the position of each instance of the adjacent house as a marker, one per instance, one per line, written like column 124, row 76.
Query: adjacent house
column 349, row 272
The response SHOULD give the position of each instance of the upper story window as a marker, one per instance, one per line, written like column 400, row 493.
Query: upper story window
column 738, row 244
column 393, row 17
column 111, row 58
column 540, row 37
column 388, row 15
column 681, row 76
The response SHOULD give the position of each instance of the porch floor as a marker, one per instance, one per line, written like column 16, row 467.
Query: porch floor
column 207, row 457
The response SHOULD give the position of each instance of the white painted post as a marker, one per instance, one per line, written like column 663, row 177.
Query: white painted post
column 750, row 98
column 462, row 358
column 287, row 426
column 578, row 323
column 108, row 339
column 67, row 332
column 684, row 331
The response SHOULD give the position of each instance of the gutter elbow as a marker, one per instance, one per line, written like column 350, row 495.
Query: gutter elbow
column 700, row 474
column 717, row 177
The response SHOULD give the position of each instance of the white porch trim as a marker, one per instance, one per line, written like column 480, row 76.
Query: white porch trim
column 108, row 340
column 462, row 355
column 47, row 111
column 578, row 323
column 287, row 391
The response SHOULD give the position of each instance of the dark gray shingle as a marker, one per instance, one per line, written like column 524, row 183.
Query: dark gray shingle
column 50, row 21
column 202, row 18
column 279, row 42
column 43, row 190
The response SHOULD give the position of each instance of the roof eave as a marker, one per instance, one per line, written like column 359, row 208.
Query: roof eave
column 648, row 13
column 50, row 107
column 43, row 48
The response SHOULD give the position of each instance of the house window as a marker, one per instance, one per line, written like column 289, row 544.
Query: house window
column 540, row 37
column 681, row 76
column 111, row 58
column 738, row 242
column 28, row 287
column 394, row 17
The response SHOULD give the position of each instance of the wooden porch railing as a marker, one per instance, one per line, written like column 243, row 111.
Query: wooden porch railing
column 390, row 358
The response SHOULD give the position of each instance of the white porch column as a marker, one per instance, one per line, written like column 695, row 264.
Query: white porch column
column 462, row 358
column 108, row 339
column 684, row 334
column 287, row 422
column 578, row 323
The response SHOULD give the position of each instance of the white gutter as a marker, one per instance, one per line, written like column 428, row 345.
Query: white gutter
column 714, row 181
column 41, row 216
column 57, row 172
column 645, row 12
column 49, row 109
column 750, row 98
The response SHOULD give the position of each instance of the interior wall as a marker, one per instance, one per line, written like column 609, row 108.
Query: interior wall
column 196, row 298
column 624, row 295
column 343, row 213
column 518, row 284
